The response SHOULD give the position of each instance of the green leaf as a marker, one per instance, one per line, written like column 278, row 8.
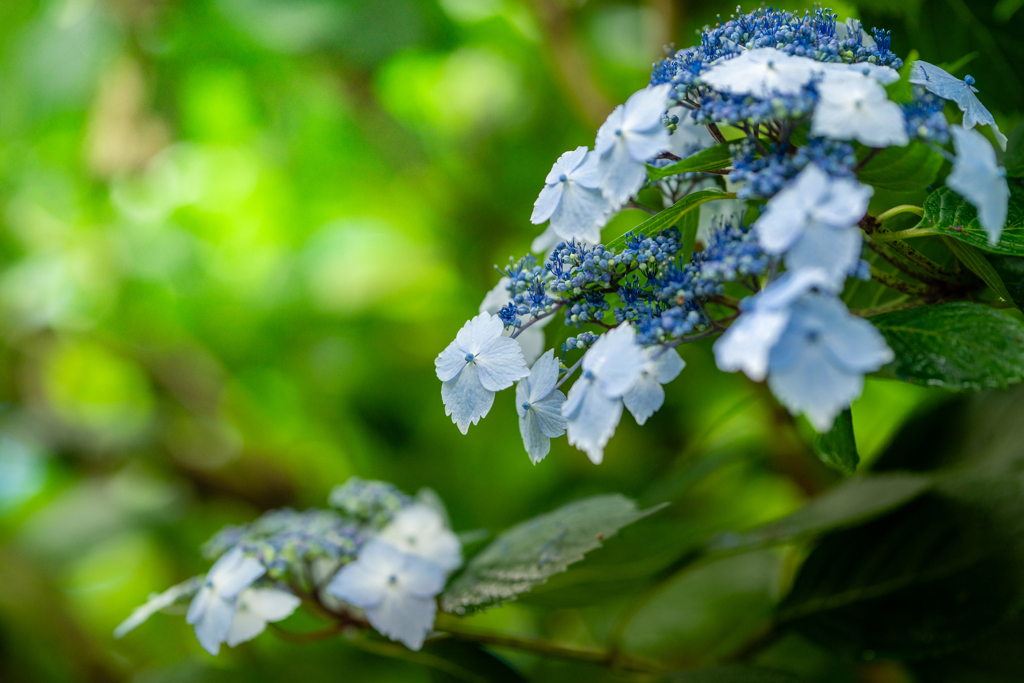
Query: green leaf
column 711, row 159
column 925, row 579
column 959, row 346
column 979, row 265
column 851, row 503
column 530, row 552
column 902, row 90
column 902, row 169
column 1013, row 160
column 951, row 215
column 732, row 674
column 837, row 447
column 462, row 662
column 1011, row 272
column 998, row 658
column 672, row 216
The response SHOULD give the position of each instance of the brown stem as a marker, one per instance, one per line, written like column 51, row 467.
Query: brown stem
column 899, row 285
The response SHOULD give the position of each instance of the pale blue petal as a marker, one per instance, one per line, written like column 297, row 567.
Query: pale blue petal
column 270, row 604
column 662, row 363
column 835, row 250
column 843, row 204
column 644, row 398
column 422, row 578
column 566, row 164
column 547, row 202
column 158, row 602
column 244, row 627
column 213, row 626
column 594, row 423
column 574, row 401
column 465, row 398
column 645, row 108
column 548, row 413
column 581, row 215
column 606, row 134
column 587, row 175
column 977, row 177
column 536, row 443
column 404, row 618
column 616, row 360
column 543, row 376
column 643, row 146
column 522, row 396
column 786, row 213
column 358, row 585
column 814, row 386
column 857, row 108
column 450, row 362
column 853, row 343
column 234, row 572
column 199, row 603
column 789, row 287
column 478, row 333
column 749, row 340
column 762, row 72
column 949, row 87
column 621, row 176
column 500, row 364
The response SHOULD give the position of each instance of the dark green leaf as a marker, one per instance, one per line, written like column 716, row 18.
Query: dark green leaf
column 732, row 674
column 923, row 580
column 902, row 169
column 837, row 447
column 672, row 216
column 1013, row 160
column 951, row 215
column 1011, row 271
column 980, row 266
column 462, row 662
column 527, row 554
column 852, row 502
column 998, row 658
column 959, row 346
column 711, row 159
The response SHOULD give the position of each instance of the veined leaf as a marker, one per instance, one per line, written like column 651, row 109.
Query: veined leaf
column 1011, row 272
column 951, row 215
column 530, row 552
column 959, row 346
column 711, row 159
column 979, row 265
column 902, row 169
column 673, row 215
column 837, row 447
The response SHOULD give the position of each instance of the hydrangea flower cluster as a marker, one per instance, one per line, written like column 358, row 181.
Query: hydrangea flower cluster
column 379, row 559
column 800, row 103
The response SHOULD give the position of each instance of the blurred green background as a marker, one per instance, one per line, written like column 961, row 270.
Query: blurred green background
column 234, row 236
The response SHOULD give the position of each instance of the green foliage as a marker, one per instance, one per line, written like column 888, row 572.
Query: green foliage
column 1011, row 271
column 711, row 159
column 959, row 346
column 901, row 169
column 460, row 662
column 530, row 552
column 951, row 215
column 732, row 674
column 837, row 447
column 674, row 216
column 922, row 581
column 977, row 263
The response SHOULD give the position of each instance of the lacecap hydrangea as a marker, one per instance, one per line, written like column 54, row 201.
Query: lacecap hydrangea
column 378, row 559
column 771, row 116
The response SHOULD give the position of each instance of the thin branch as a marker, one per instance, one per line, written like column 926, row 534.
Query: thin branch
column 715, row 132
column 539, row 317
column 865, row 160
column 899, row 285
column 569, row 372
column 907, row 234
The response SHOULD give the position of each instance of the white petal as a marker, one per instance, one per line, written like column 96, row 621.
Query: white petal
column 606, row 134
column 762, row 72
column 547, row 202
column 270, row 604
column 594, row 421
column 747, row 343
column 949, row 87
column 857, row 108
column 421, row 577
column 616, row 360
column 466, row 399
column 548, row 413
column 213, row 626
column 566, row 164
column 420, row 530
column 645, row 108
column 664, row 364
column 543, row 376
column 500, row 364
column 621, row 175
column 581, row 215
column 644, row 398
column 234, row 572
column 404, row 618
column 156, row 603
column 814, row 386
column 478, row 333
column 537, row 445
column 836, row 250
column 977, row 177
column 358, row 584
column 245, row 627
column 450, row 362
